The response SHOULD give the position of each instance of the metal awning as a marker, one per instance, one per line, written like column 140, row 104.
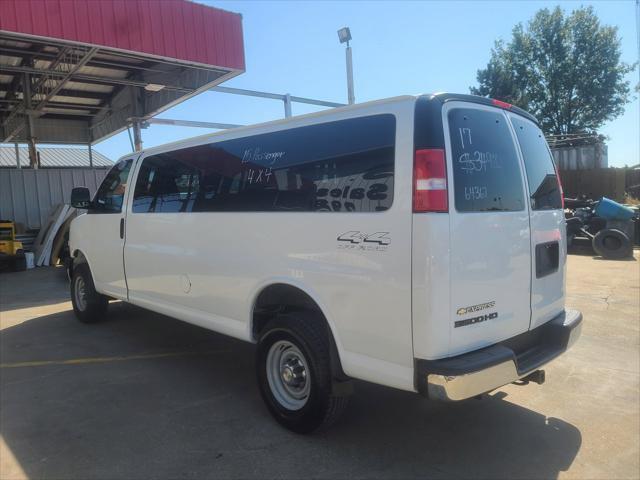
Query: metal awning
column 76, row 75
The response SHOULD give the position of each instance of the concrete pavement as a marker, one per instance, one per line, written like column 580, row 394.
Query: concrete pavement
column 145, row 396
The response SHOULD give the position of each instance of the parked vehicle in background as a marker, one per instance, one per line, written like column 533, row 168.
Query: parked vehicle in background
column 414, row 242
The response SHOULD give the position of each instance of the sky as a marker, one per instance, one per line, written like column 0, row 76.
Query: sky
column 398, row 48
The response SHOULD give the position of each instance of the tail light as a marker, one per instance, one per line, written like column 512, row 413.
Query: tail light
column 430, row 181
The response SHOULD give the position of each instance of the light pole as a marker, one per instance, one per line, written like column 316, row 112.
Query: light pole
column 638, row 33
column 344, row 34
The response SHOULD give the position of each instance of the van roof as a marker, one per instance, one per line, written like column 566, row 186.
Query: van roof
column 442, row 97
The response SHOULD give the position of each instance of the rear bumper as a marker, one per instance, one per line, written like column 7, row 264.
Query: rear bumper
column 481, row 371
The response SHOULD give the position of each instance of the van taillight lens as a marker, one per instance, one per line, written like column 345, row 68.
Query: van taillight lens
column 430, row 181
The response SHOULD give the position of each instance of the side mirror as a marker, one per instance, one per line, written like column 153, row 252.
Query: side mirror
column 80, row 197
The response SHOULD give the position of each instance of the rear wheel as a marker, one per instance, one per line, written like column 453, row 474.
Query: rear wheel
column 88, row 305
column 294, row 372
column 612, row 243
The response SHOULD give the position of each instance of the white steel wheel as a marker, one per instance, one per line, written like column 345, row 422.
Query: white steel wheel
column 80, row 293
column 288, row 375
column 294, row 372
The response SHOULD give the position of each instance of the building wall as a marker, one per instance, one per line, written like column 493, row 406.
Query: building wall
column 581, row 158
column 27, row 196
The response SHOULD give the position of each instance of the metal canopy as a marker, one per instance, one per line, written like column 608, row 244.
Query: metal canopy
column 79, row 72
column 82, row 94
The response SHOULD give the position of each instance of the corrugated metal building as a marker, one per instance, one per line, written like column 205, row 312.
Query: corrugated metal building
column 54, row 158
column 583, row 157
column 27, row 196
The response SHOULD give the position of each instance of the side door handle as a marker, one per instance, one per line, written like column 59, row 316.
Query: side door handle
column 122, row 228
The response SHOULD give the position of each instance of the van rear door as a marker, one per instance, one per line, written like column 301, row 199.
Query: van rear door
column 490, row 235
column 548, row 231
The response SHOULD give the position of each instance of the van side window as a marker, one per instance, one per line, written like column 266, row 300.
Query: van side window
column 541, row 173
column 110, row 195
column 165, row 185
column 486, row 169
column 342, row 166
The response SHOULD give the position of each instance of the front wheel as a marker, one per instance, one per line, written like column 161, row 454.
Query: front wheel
column 88, row 305
column 294, row 372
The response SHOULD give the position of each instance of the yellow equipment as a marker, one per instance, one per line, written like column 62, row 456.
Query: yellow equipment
column 10, row 249
column 8, row 243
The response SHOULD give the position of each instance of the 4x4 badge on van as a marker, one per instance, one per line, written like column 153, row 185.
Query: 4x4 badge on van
column 476, row 308
column 357, row 240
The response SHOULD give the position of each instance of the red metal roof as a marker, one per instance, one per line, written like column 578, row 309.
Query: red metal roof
column 175, row 29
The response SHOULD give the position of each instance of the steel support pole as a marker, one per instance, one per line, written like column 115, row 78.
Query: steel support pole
column 31, row 140
column 350, row 94
column 638, row 34
column 17, row 155
column 89, row 145
column 137, row 136
column 287, row 105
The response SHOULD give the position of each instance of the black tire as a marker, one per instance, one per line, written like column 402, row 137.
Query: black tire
column 89, row 306
column 612, row 243
column 307, row 332
column 18, row 262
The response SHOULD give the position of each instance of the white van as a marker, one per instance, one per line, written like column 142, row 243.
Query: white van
column 415, row 242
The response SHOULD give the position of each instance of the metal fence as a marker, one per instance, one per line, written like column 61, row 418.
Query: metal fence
column 601, row 182
column 27, row 196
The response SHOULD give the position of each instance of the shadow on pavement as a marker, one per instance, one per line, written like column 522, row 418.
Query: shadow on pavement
column 199, row 414
column 31, row 288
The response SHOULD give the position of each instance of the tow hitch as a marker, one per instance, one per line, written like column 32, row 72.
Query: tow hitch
column 535, row 377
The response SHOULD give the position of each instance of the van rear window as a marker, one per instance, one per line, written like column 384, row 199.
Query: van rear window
column 486, row 169
column 541, row 173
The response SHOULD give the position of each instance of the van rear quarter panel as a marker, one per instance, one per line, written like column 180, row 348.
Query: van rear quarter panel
column 208, row 268
column 431, row 285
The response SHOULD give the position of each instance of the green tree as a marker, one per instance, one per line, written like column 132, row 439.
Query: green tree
column 566, row 70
